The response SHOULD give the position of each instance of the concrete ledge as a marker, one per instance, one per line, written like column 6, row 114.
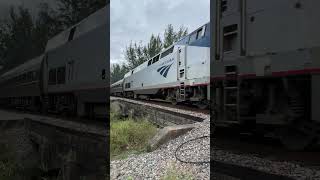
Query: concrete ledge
column 168, row 133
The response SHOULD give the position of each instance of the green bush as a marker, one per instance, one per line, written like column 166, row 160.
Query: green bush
column 128, row 135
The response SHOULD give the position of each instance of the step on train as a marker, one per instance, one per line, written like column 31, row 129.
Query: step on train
column 70, row 77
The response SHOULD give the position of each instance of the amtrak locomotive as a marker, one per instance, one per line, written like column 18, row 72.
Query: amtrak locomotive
column 69, row 78
column 179, row 73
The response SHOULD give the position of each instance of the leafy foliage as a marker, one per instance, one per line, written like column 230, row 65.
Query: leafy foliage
column 73, row 11
column 128, row 135
column 23, row 37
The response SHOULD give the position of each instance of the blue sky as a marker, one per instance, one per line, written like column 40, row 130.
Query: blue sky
column 137, row 20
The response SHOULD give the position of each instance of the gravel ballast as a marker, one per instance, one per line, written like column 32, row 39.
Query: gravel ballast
column 155, row 165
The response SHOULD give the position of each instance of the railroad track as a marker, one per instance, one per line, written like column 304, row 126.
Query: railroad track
column 187, row 107
column 265, row 147
column 94, row 122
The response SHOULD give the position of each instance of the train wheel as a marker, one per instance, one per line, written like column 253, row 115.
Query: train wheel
column 295, row 140
column 174, row 101
column 202, row 105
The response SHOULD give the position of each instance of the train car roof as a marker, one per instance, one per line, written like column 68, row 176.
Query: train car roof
column 88, row 24
column 23, row 67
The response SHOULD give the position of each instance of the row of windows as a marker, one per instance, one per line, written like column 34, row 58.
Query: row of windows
column 23, row 78
column 57, row 76
column 164, row 54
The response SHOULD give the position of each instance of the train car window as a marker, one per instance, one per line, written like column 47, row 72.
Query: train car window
column 52, row 76
column 229, row 37
column 155, row 59
column 61, row 75
column 167, row 52
column 127, row 85
column 149, row 62
column 30, row 76
column 35, row 75
column 24, row 77
column 193, row 37
column 72, row 31
column 199, row 33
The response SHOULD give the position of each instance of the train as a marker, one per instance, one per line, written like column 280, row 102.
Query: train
column 178, row 74
column 69, row 78
column 264, row 74
column 265, row 68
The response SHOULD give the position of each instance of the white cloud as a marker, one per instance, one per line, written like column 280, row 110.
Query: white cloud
column 137, row 20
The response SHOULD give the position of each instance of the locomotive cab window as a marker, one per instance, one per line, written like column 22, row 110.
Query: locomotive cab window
column 61, row 75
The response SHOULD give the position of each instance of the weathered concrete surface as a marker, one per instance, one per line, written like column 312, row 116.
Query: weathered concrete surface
column 168, row 133
column 72, row 149
column 78, row 154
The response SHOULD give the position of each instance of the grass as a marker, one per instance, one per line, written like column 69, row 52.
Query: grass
column 128, row 136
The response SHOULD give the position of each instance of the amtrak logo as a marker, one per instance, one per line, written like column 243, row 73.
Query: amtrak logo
column 164, row 70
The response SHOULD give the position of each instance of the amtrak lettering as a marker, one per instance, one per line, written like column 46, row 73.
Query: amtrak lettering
column 167, row 61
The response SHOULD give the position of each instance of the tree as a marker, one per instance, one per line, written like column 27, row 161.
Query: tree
column 154, row 46
column 130, row 56
column 170, row 36
column 16, row 37
column 73, row 11
column 117, row 72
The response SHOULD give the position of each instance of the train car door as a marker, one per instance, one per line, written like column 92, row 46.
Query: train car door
column 182, row 74
column 181, row 61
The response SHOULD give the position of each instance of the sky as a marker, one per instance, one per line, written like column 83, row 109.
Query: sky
column 136, row 20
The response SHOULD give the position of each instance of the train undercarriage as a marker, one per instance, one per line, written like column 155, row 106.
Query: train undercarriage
column 264, row 106
column 195, row 95
column 64, row 104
